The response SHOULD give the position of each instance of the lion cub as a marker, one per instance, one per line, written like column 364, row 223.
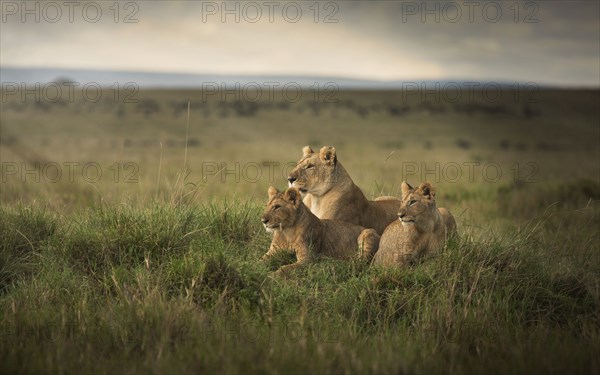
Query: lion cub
column 295, row 228
column 422, row 229
column 331, row 194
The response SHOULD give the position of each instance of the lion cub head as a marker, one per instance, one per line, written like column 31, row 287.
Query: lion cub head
column 418, row 206
column 282, row 208
column 316, row 172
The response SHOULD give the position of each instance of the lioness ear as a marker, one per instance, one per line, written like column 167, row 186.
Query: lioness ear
column 406, row 188
column 306, row 150
column 427, row 190
column 292, row 195
column 328, row 155
column 272, row 192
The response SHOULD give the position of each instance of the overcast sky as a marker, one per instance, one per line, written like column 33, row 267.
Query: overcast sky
column 547, row 42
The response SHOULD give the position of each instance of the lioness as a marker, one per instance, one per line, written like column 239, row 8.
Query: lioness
column 331, row 194
column 422, row 229
column 295, row 228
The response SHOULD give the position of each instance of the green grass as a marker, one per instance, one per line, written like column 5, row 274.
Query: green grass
column 161, row 274
column 166, row 288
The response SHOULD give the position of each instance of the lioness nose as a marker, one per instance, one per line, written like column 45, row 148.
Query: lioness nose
column 291, row 179
column 401, row 215
column 264, row 221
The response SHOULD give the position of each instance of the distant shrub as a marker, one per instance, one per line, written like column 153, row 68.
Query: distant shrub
column 148, row 107
column 393, row 144
column 520, row 146
column 463, row 144
column 397, row 111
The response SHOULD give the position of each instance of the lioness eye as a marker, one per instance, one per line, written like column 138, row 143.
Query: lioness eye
column 308, row 166
column 412, row 202
column 276, row 207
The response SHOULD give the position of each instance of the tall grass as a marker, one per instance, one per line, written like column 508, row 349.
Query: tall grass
column 171, row 288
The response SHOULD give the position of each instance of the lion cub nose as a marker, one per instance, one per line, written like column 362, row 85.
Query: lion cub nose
column 401, row 215
column 264, row 221
column 291, row 179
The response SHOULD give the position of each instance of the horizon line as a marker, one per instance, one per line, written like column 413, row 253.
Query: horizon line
column 391, row 83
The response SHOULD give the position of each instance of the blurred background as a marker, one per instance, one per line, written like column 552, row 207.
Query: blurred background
column 495, row 103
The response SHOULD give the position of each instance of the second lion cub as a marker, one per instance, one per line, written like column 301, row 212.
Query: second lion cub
column 296, row 229
column 422, row 229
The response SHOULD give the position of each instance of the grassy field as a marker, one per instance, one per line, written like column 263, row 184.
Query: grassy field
column 151, row 265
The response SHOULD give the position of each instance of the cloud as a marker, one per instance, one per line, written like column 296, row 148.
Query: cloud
column 377, row 40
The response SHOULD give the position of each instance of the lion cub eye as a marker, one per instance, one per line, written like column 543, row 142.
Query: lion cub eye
column 411, row 202
column 309, row 166
column 276, row 207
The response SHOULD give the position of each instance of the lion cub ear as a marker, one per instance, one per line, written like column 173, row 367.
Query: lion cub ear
column 328, row 155
column 406, row 188
column 272, row 192
column 426, row 190
column 306, row 150
column 292, row 195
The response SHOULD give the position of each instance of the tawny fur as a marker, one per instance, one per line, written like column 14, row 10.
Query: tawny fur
column 330, row 193
column 298, row 230
column 422, row 228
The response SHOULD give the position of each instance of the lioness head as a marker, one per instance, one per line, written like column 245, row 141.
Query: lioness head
column 418, row 205
column 316, row 172
column 281, row 209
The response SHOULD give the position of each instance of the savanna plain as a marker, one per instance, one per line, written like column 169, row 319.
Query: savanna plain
column 130, row 237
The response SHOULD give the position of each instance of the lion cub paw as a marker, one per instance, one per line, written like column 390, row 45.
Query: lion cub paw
column 368, row 243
